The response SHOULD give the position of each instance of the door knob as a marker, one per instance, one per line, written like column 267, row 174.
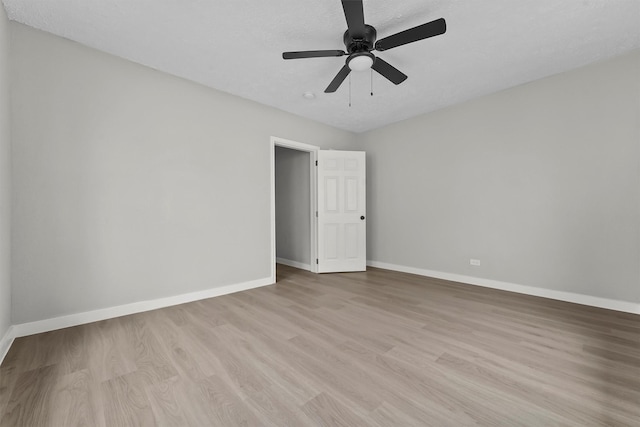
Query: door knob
column 362, row 217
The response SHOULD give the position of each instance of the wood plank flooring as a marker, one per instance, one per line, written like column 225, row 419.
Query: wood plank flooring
column 374, row 349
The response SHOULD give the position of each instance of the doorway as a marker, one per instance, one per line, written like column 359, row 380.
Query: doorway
column 293, row 204
column 336, row 209
column 293, row 223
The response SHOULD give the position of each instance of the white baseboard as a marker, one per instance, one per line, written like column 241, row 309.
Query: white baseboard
column 611, row 304
column 46, row 325
column 294, row 264
column 6, row 341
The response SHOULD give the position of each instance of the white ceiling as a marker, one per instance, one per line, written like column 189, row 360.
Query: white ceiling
column 236, row 46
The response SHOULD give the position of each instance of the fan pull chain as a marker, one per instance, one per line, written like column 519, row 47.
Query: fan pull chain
column 349, row 89
column 371, row 81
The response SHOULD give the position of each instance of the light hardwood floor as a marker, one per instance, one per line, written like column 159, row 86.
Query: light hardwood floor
column 375, row 349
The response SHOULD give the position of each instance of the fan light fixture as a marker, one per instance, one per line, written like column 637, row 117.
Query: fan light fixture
column 361, row 61
column 360, row 40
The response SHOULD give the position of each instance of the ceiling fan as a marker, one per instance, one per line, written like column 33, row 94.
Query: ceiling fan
column 360, row 41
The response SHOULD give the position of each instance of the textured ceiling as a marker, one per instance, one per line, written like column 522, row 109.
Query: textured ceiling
column 236, row 46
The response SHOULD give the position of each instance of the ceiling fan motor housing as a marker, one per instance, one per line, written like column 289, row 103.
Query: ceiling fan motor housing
column 360, row 42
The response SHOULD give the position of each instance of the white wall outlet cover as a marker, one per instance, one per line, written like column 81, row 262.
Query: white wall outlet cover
column 475, row 262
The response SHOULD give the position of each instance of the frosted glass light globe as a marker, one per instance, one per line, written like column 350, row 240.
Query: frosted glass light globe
column 360, row 63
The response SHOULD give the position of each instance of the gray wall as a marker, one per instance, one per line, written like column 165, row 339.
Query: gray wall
column 5, row 178
column 130, row 184
column 293, row 225
column 540, row 182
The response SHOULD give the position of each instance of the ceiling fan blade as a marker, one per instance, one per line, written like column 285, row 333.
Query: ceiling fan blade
column 338, row 79
column 421, row 32
column 355, row 17
column 312, row 54
column 388, row 71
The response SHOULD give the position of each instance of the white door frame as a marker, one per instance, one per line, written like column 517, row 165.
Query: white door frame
column 313, row 188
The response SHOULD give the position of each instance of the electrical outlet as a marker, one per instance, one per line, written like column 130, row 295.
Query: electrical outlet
column 475, row 262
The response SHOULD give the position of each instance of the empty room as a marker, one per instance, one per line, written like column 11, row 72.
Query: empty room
column 319, row 213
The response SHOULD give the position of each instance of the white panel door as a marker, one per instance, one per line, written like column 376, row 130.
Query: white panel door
column 342, row 227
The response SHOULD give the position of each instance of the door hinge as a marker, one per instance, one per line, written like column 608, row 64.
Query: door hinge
column 316, row 260
column 316, row 163
column 316, row 214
